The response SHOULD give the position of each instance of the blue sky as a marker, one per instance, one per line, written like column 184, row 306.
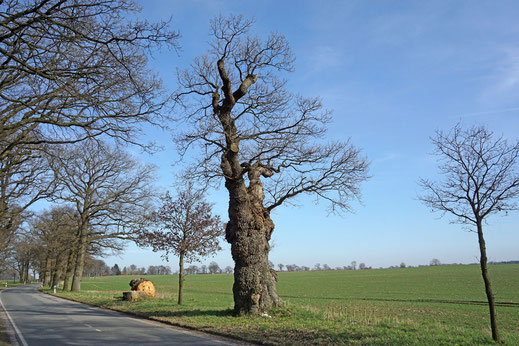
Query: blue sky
column 393, row 73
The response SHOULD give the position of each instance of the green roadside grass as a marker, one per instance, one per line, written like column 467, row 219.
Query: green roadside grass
column 4, row 338
column 442, row 305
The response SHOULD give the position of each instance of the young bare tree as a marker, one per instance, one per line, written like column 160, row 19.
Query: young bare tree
column 480, row 178
column 110, row 191
column 265, row 143
column 184, row 226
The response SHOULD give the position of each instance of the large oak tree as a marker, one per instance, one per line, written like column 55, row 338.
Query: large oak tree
column 266, row 143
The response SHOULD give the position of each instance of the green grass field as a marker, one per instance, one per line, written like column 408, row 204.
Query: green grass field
column 430, row 305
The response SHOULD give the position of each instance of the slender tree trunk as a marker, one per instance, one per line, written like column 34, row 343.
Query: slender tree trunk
column 248, row 231
column 80, row 259
column 52, row 271
column 21, row 270
column 180, row 278
column 26, row 274
column 488, row 286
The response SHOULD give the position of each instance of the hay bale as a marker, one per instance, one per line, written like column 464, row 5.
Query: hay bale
column 143, row 285
column 133, row 296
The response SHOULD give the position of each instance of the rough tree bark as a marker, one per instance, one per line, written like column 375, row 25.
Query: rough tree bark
column 56, row 276
column 80, row 258
column 250, row 227
column 248, row 231
column 68, row 267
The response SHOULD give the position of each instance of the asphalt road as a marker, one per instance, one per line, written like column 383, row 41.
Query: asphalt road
column 40, row 319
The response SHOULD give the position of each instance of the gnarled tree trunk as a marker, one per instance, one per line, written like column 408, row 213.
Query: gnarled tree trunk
column 248, row 231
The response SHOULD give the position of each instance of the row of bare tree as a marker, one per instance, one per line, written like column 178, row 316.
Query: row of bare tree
column 70, row 71
column 99, row 194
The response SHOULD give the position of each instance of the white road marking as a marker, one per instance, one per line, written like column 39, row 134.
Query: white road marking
column 89, row 326
column 17, row 331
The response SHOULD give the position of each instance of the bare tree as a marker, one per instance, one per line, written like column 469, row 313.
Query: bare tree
column 185, row 227
column 192, row 269
column 214, row 268
column 69, row 70
column 435, row 262
column 264, row 142
column 354, row 265
column 131, row 269
column 95, row 267
column 480, row 178
column 110, row 191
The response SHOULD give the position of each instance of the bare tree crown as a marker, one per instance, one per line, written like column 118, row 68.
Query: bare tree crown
column 76, row 69
column 184, row 226
column 480, row 174
column 249, row 126
column 109, row 188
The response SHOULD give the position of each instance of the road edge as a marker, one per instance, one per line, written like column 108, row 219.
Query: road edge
column 10, row 329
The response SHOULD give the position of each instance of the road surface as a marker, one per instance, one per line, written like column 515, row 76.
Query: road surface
column 40, row 319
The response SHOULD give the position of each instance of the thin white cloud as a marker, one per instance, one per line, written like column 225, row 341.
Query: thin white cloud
column 490, row 112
